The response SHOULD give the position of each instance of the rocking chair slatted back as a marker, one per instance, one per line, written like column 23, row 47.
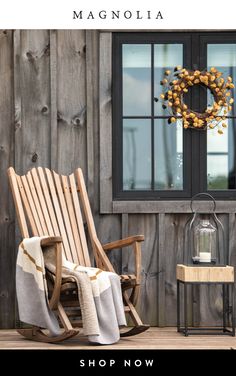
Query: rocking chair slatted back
column 50, row 204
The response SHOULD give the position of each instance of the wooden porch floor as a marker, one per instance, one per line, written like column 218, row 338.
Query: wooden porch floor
column 154, row 338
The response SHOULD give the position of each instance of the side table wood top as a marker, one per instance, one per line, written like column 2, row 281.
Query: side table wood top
column 206, row 274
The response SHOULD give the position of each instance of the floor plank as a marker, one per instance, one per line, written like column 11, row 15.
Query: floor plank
column 154, row 338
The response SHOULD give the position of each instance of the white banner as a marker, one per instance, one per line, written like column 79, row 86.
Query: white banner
column 118, row 14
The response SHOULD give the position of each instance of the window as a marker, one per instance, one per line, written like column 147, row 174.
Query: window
column 220, row 151
column 155, row 160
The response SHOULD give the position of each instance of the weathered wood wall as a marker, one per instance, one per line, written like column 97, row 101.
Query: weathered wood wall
column 50, row 96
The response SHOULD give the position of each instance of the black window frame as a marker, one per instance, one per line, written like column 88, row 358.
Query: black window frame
column 194, row 142
column 204, row 40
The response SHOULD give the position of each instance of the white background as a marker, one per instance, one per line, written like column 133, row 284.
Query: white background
column 179, row 14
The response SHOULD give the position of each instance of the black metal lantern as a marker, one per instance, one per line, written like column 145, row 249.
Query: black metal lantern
column 204, row 240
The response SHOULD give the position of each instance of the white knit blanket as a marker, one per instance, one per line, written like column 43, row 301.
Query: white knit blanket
column 100, row 295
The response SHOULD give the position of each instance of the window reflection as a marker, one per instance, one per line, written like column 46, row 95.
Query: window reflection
column 136, row 80
column 221, row 158
column 149, row 164
column 169, row 155
column 221, row 169
column 136, row 154
column 166, row 56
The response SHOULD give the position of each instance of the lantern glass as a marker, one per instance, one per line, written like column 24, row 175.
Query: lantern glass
column 204, row 239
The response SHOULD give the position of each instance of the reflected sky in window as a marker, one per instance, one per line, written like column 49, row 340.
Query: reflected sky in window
column 221, row 149
column 136, row 79
column 136, row 154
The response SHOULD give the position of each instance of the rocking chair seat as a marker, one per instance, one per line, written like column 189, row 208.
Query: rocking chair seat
column 128, row 281
column 69, row 284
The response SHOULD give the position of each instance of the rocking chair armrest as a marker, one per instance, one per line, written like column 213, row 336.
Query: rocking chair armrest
column 123, row 242
column 132, row 240
column 50, row 240
column 56, row 242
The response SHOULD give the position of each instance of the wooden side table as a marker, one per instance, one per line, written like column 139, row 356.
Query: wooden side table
column 191, row 275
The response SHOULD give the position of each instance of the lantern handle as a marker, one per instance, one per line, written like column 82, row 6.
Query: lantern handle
column 203, row 194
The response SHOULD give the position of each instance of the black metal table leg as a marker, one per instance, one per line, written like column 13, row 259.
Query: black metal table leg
column 233, row 308
column 224, row 308
column 228, row 307
column 178, row 306
column 185, row 311
column 227, row 287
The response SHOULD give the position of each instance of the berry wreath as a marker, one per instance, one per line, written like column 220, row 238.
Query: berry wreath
column 183, row 79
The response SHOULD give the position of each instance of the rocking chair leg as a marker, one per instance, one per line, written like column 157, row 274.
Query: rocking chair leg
column 139, row 326
column 36, row 334
column 134, row 295
column 133, row 313
column 63, row 317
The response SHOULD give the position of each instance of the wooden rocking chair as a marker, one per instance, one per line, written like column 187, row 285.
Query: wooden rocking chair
column 48, row 204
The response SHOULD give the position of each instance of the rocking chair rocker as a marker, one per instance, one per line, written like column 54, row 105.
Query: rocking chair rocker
column 51, row 205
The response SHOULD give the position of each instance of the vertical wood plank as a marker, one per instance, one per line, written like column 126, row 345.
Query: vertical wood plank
column 173, row 255
column 18, row 121
column 92, row 118
column 105, row 69
column 232, row 242
column 232, row 237
column 124, row 225
column 148, row 302
column 92, row 106
column 53, row 99
column 210, row 302
column 161, row 269
column 71, row 101
column 32, row 99
column 109, row 229
column 17, row 95
column 124, row 234
column 7, row 238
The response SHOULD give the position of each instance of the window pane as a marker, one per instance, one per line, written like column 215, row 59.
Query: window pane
column 136, row 154
column 221, row 158
column 221, row 149
column 166, row 56
column 136, row 79
column 223, row 57
column 168, row 155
